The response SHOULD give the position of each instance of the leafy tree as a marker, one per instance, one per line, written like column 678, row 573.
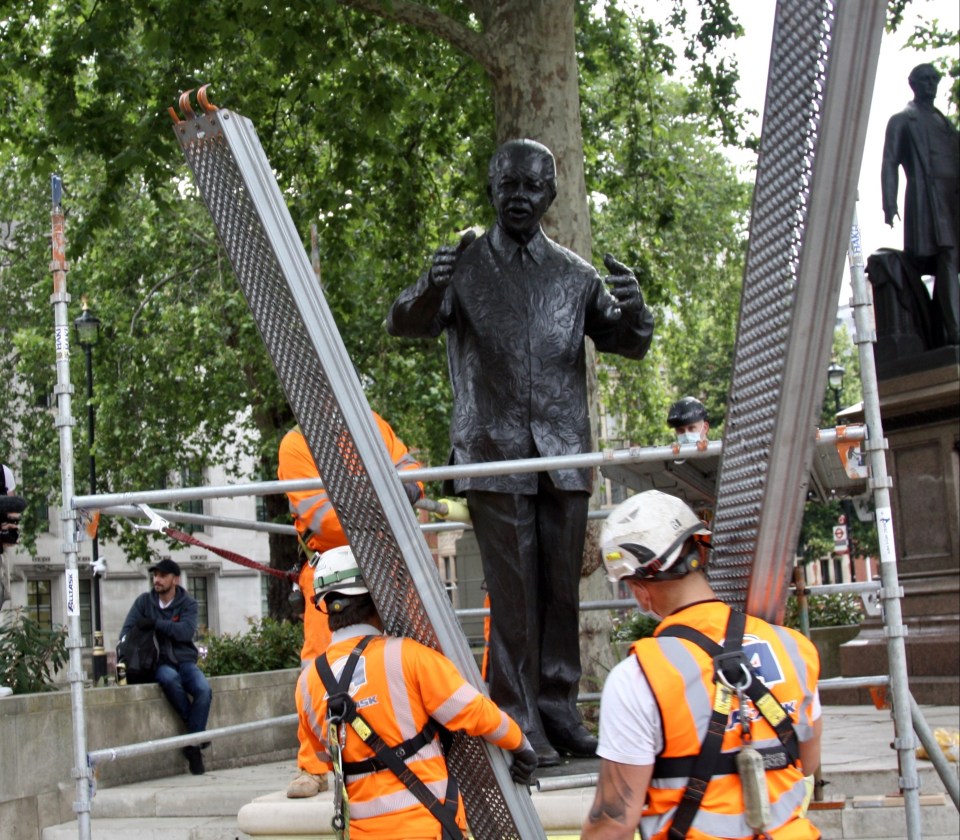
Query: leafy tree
column 378, row 120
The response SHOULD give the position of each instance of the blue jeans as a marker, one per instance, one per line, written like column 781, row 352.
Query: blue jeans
column 179, row 681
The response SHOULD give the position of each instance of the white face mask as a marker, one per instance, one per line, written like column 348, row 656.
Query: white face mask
column 646, row 610
column 688, row 437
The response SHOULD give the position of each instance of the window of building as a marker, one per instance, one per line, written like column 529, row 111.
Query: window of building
column 197, row 587
column 39, row 602
column 191, row 478
column 86, row 612
column 264, row 595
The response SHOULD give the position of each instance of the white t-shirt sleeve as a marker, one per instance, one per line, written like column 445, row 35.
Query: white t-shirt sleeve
column 630, row 729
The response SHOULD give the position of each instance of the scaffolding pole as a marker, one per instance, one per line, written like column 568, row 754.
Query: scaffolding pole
column 68, row 514
column 905, row 741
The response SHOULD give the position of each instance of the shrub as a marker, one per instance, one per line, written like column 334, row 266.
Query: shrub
column 30, row 654
column 632, row 626
column 268, row 645
column 825, row 610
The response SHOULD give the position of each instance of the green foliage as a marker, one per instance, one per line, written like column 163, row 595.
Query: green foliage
column 30, row 654
column 632, row 626
column 833, row 610
column 268, row 645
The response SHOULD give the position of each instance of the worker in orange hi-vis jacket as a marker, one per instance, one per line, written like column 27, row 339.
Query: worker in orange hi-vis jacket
column 320, row 530
column 378, row 709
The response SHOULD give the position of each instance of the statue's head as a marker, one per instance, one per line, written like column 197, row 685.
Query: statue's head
column 522, row 184
column 923, row 80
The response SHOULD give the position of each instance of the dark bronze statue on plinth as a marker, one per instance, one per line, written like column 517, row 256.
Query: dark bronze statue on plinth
column 922, row 141
column 515, row 307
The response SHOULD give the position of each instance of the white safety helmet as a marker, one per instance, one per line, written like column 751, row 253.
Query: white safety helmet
column 337, row 572
column 644, row 537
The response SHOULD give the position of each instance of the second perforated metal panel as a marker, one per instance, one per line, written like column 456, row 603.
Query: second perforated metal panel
column 822, row 65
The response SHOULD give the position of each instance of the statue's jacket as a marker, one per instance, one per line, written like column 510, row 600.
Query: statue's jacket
column 515, row 319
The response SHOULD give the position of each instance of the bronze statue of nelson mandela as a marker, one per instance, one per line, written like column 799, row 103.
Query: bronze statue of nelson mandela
column 515, row 307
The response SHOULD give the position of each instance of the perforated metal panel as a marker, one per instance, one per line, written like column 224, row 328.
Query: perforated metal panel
column 822, row 67
column 241, row 193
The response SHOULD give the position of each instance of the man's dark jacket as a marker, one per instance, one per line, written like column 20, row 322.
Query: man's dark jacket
column 515, row 329
column 930, row 213
column 175, row 626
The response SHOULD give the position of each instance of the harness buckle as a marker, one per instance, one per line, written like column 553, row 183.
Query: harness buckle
column 735, row 663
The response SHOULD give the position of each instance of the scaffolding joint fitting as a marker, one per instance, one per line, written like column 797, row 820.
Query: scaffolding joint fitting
column 908, row 783
column 898, row 631
column 156, row 523
column 60, row 420
column 906, row 742
column 62, row 389
column 888, row 594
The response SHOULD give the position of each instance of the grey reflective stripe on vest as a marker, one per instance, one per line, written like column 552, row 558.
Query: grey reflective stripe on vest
column 381, row 805
column 302, row 507
column 303, row 689
column 400, row 700
column 803, row 729
column 699, row 702
column 732, row 825
column 406, row 460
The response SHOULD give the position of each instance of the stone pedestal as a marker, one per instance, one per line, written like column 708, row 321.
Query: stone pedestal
column 920, row 409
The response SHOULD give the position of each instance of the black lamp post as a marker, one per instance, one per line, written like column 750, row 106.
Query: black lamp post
column 88, row 334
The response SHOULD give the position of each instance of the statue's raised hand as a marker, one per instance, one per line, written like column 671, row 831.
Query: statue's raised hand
column 445, row 259
column 622, row 283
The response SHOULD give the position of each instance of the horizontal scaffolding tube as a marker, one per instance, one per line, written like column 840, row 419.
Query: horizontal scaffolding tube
column 147, row 747
column 633, row 455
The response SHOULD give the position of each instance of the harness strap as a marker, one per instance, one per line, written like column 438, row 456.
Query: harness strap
column 410, row 747
column 705, row 764
column 391, row 757
column 774, row 758
column 766, row 703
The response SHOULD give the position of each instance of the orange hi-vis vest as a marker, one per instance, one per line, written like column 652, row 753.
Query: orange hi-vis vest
column 317, row 522
column 399, row 685
column 681, row 677
column 313, row 513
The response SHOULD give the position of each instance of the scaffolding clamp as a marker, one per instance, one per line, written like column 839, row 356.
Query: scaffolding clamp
column 156, row 523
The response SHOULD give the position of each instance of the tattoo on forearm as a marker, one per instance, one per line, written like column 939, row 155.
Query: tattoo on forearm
column 614, row 792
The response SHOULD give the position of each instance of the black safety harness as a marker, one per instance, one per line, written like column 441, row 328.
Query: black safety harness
column 342, row 711
column 731, row 666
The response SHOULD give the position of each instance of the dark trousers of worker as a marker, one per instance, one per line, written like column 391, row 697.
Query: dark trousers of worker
column 188, row 691
column 532, row 552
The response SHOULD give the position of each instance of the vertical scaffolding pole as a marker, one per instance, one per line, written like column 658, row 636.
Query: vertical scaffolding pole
column 894, row 629
column 68, row 516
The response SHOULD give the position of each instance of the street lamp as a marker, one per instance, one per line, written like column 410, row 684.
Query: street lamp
column 835, row 380
column 88, row 334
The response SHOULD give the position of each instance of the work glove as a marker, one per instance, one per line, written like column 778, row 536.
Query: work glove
column 413, row 491
column 146, row 623
column 524, row 764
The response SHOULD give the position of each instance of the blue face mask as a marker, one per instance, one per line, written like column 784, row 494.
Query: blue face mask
column 688, row 437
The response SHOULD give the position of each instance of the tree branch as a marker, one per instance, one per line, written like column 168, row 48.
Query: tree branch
column 472, row 44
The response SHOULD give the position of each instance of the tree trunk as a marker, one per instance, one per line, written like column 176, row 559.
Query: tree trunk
column 528, row 50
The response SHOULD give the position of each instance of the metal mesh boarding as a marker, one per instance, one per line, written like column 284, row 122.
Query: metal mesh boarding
column 241, row 193
column 822, row 67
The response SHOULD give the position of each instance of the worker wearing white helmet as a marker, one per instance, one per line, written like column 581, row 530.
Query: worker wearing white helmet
column 381, row 697
column 677, row 758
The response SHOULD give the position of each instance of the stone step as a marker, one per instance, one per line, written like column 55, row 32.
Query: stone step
column 152, row 828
